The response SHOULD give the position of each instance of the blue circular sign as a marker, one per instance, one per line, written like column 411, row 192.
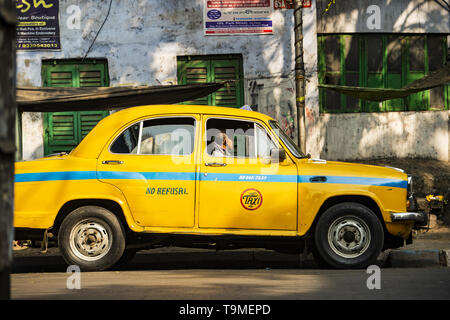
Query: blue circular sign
column 214, row 14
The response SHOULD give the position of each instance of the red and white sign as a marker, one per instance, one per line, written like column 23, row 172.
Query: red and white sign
column 238, row 17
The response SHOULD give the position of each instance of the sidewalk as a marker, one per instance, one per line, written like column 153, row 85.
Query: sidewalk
column 429, row 249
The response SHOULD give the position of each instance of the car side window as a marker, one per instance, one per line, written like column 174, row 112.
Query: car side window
column 127, row 142
column 168, row 136
column 237, row 138
column 264, row 142
column 161, row 136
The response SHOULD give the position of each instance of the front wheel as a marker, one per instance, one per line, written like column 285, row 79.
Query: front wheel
column 348, row 235
column 92, row 238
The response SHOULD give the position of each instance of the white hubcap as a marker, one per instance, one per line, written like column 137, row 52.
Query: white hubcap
column 89, row 240
column 349, row 236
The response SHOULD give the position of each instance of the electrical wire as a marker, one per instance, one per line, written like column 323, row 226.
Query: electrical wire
column 445, row 2
column 98, row 32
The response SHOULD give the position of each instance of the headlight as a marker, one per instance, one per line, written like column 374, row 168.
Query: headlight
column 410, row 185
column 411, row 203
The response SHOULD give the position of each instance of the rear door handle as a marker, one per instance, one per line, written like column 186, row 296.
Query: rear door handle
column 215, row 164
column 318, row 179
column 112, row 162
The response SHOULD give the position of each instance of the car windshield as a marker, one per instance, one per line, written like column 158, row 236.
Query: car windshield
column 288, row 142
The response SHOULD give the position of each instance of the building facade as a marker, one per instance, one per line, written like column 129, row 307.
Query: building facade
column 148, row 42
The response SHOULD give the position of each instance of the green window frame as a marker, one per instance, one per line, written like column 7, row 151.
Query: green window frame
column 214, row 68
column 64, row 130
column 380, row 61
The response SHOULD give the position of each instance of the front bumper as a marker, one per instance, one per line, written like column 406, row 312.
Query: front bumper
column 419, row 218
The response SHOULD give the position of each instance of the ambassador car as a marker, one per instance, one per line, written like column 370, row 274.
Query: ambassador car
column 207, row 177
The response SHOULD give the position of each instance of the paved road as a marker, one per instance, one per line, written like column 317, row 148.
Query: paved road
column 231, row 275
column 236, row 284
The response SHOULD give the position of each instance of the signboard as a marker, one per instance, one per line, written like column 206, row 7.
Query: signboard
column 238, row 17
column 38, row 25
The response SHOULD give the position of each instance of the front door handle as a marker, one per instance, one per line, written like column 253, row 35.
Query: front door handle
column 112, row 162
column 318, row 179
column 215, row 164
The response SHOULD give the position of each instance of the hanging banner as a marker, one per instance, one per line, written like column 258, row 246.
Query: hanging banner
column 38, row 25
column 238, row 17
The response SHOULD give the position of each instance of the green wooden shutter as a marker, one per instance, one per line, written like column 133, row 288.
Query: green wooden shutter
column 92, row 75
column 214, row 69
column 436, row 59
column 191, row 72
column 394, row 67
column 61, row 76
column 416, row 69
column 330, row 73
column 65, row 130
column 88, row 120
column 386, row 61
column 374, row 55
column 61, row 132
column 230, row 95
column 351, row 64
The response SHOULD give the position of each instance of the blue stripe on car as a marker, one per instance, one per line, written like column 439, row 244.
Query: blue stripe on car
column 190, row 176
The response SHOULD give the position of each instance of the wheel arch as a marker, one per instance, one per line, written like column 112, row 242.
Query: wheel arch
column 390, row 241
column 108, row 204
column 361, row 199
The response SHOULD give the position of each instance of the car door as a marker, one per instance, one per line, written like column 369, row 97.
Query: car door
column 240, row 186
column 152, row 163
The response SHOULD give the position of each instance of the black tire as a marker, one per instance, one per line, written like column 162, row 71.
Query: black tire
column 92, row 238
column 348, row 236
column 320, row 262
column 126, row 258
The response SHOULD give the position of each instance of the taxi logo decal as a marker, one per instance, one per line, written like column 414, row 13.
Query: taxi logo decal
column 251, row 199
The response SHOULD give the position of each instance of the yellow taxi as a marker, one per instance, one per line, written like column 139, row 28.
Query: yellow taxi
column 210, row 177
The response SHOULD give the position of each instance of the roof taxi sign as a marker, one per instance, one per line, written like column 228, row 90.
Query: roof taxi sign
column 238, row 17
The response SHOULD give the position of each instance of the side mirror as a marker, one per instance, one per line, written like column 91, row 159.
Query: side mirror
column 277, row 155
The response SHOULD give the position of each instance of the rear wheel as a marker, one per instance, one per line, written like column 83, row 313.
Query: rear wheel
column 91, row 237
column 348, row 235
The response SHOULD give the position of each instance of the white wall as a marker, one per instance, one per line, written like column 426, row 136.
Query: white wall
column 354, row 136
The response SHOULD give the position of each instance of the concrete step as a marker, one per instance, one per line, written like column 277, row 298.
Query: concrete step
column 415, row 258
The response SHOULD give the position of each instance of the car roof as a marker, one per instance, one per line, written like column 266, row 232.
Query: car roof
column 94, row 142
column 192, row 109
